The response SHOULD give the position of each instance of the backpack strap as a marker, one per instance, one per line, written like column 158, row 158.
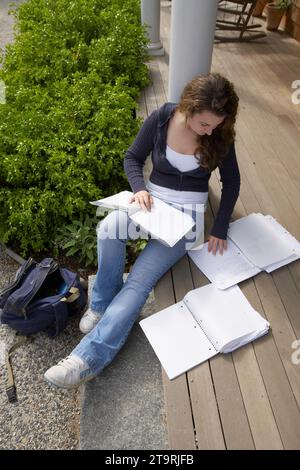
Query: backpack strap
column 72, row 295
column 10, row 383
column 61, row 311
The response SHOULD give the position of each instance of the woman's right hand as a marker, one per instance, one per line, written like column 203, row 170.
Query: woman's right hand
column 143, row 199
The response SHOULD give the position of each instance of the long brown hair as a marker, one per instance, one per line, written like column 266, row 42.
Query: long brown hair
column 216, row 94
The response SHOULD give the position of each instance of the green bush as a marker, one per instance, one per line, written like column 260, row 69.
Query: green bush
column 79, row 238
column 72, row 78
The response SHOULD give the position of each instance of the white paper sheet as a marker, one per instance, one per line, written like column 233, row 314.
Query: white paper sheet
column 259, row 240
column 224, row 270
column 226, row 316
column 118, row 201
column 164, row 222
column 177, row 339
column 293, row 243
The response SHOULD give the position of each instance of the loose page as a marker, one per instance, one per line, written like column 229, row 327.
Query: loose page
column 259, row 241
column 118, row 201
column 164, row 222
column 293, row 243
column 224, row 270
column 226, row 316
column 177, row 339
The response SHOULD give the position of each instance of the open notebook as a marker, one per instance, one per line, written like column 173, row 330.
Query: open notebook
column 163, row 222
column 206, row 322
column 255, row 243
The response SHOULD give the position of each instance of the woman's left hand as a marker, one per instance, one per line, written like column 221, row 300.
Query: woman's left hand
column 216, row 244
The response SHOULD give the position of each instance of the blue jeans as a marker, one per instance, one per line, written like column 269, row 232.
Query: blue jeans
column 120, row 303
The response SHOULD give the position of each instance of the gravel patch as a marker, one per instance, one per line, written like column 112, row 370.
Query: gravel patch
column 44, row 417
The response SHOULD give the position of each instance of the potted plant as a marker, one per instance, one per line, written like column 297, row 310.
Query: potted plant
column 275, row 12
column 259, row 7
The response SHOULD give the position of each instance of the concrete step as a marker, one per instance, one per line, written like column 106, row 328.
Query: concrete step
column 123, row 408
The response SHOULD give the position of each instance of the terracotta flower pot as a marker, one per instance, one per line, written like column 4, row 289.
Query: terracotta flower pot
column 259, row 7
column 274, row 16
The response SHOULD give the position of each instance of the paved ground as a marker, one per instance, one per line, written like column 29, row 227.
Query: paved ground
column 123, row 408
column 6, row 22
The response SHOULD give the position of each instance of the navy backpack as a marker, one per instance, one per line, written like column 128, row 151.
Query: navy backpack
column 42, row 297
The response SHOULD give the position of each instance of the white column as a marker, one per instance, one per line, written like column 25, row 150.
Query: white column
column 150, row 15
column 193, row 24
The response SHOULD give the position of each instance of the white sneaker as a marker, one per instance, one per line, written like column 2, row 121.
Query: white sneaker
column 68, row 373
column 89, row 320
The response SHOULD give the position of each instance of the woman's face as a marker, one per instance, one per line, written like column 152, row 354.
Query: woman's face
column 204, row 123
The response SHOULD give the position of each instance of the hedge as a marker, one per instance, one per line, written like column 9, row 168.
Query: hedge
column 72, row 78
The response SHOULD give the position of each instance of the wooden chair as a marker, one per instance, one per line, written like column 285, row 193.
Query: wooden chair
column 236, row 16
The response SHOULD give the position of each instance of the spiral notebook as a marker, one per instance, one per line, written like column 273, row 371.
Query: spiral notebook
column 206, row 322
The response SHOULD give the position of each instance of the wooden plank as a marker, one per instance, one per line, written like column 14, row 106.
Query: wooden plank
column 277, row 380
column 163, row 61
column 235, row 425
column 271, row 171
column 205, row 409
column 204, row 406
column 158, row 84
column 280, row 394
column 272, row 70
column 281, row 323
column 277, row 93
column 259, row 200
column 142, row 108
column 260, row 415
column 281, row 320
column 151, row 103
column 268, row 204
column 177, row 401
column 284, row 336
column 289, row 295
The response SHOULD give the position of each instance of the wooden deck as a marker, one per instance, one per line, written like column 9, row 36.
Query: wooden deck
column 248, row 399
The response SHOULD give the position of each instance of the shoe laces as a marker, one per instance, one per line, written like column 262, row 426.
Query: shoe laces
column 70, row 362
column 92, row 315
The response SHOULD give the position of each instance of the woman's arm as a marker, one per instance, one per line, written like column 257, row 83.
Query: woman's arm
column 230, row 178
column 138, row 152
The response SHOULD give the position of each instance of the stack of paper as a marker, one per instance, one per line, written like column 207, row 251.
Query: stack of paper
column 264, row 241
column 255, row 243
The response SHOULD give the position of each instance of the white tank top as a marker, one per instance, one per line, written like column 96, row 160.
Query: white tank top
column 183, row 163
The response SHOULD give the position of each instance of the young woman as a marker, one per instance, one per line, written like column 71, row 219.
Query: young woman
column 188, row 141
